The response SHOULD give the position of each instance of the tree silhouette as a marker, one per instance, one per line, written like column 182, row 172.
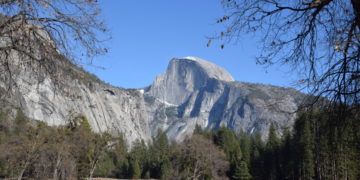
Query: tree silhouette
column 320, row 38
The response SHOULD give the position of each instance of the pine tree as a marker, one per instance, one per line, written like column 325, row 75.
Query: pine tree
column 308, row 157
column 272, row 153
column 304, row 145
column 138, row 157
column 228, row 141
column 241, row 171
column 245, row 147
column 135, row 170
column 257, row 168
column 273, row 142
column 286, row 158
column 160, row 151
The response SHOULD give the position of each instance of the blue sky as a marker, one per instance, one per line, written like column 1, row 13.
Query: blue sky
column 147, row 34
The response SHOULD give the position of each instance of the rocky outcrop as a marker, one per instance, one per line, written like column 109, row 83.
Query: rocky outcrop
column 191, row 91
column 199, row 92
column 183, row 77
column 55, row 99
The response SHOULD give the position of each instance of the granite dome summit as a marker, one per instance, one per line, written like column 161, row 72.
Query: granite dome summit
column 212, row 70
column 184, row 76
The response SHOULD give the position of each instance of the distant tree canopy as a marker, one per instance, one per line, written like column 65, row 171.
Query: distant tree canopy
column 320, row 38
column 37, row 33
column 317, row 148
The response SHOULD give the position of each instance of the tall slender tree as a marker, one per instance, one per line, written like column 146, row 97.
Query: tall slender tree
column 272, row 152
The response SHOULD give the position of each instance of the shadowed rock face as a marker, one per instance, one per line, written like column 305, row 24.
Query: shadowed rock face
column 191, row 91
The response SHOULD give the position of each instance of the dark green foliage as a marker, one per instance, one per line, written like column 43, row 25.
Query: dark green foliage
column 322, row 147
column 207, row 134
column 228, row 141
column 245, row 147
column 271, row 154
column 287, row 156
column 138, row 159
column 241, row 171
column 159, row 162
column 273, row 142
column 135, row 170
column 305, row 147
column 257, row 166
column 106, row 166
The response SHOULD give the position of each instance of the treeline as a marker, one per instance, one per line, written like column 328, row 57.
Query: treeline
column 195, row 158
column 31, row 149
column 319, row 147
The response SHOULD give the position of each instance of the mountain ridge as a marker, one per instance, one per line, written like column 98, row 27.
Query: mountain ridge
column 191, row 91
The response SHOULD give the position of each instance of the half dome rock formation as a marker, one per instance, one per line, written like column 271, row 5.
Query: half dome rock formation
column 199, row 92
column 191, row 91
column 184, row 76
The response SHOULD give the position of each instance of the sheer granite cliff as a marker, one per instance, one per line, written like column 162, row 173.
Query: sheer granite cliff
column 199, row 92
column 191, row 91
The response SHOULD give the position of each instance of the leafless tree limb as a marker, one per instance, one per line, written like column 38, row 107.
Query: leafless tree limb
column 40, row 34
column 320, row 38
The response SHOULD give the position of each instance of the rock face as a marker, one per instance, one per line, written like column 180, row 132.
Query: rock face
column 56, row 100
column 183, row 77
column 198, row 92
column 191, row 91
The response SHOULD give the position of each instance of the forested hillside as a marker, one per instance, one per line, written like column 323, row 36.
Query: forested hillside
column 319, row 147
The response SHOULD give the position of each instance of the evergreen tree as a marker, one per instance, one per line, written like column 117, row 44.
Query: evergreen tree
column 304, row 138
column 228, row 141
column 308, row 157
column 272, row 154
column 138, row 156
column 286, row 158
column 135, row 169
column 273, row 142
column 242, row 171
column 257, row 167
column 245, row 147
column 119, row 153
column 160, row 151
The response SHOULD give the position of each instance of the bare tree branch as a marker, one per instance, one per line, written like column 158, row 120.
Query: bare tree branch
column 319, row 38
column 40, row 34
